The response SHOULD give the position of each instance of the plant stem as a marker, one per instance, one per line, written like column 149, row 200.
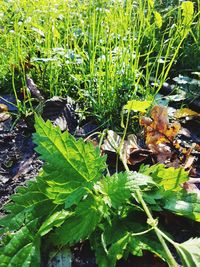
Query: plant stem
column 153, row 223
column 171, row 260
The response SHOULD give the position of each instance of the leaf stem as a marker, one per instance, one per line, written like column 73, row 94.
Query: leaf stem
column 153, row 223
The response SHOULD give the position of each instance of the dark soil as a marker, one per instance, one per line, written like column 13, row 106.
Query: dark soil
column 18, row 161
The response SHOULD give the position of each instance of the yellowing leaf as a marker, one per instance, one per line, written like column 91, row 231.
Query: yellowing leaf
column 170, row 178
column 158, row 19
column 185, row 112
column 136, row 105
column 188, row 11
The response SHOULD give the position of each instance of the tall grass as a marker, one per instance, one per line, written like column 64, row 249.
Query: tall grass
column 102, row 53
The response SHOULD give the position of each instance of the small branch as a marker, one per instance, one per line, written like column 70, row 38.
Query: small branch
column 153, row 222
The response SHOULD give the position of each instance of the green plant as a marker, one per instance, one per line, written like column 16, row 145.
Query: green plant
column 73, row 199
column 102, row 53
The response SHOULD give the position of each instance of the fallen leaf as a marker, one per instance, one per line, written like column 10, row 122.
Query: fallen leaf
column 159, row 133
column 185, row 112
column 130, row 151
column 32, row 87
column 4, row 114
column 189, row 161
column 3, row 108
column 192, row 188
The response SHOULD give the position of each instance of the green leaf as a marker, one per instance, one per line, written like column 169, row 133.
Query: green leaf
column 140, row 180
column 115, row 189
column 80, row 224
column 136, row 105
column 187, row 205
column 116, row 251
column 75, row 196
column 120, row 187
column 170, row 178
column 27, row 205
column 54, row 220
column 69, row 163
column 189, row 252
column 135, row 225
column 123, row 236
column 22, row 247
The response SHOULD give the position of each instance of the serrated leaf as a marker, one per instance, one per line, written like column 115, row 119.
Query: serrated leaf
column 27, row 205
column 187, row 205
column 55, row 220
column 104, row 257
column 115, row 189
column 122, row 237
column 69, row 165
column 76, row 162
column 140, row 180
column 189, row 252
column 80, row 224
column 116, row 251
column 120, row 187
column 75, row 197
column 170, row 178
column 22, row 248
column 136, row 105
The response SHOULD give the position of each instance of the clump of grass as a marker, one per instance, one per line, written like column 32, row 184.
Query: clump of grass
column 102, row 53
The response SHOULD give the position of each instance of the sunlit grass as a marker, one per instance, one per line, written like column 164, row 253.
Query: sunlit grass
column 102, row 53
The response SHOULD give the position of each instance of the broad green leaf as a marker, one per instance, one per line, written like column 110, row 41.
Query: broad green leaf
column 80, row 224
column 101, row 256
column 170, row 178
column 189, row 252
column 140, row 180
column 108, row 257
column 135, row 225
column 69, row 163
column 54, row 220
column 116, row 250
column 158, row 19
column 28, row 256
column 75, row 197
column 22, row 247
column 28, row 204
column 120, row 187
column 123, row 236
column 115, row 189
column 136, row 105
column 187, row 205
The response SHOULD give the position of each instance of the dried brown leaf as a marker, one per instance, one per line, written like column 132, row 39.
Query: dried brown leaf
column 130, row 151
column 159, row 133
